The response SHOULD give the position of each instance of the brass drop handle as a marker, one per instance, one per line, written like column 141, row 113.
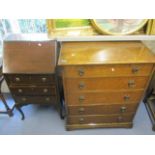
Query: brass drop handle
column 45, row 90
column 47, row 99
column 81, row 98
column 81, row 110
column 17, row 79
column 131, row 83
column 81, row 120
column 44, row 79
column 20, row 90
column 120, row 118
column 23, row 99
column 123, row 109
column 81, row 85
column 81, row 71
column 135, row 69
column 126, row 97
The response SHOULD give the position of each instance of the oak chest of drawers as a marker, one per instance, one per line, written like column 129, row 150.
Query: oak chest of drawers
column 104, row 82
column 29, row 70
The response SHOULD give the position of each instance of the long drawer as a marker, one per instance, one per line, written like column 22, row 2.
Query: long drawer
column 108, row 70
column 33, row 90
column 101, row 109
column 35, row 99
column 104, row 97
column 106, row 83
column 94, row 119
column 17, row 79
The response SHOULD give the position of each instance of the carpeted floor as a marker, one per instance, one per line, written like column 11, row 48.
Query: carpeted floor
column 45, row 120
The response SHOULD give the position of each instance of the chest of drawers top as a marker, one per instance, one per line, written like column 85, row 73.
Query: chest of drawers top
column 91, row 53
column 29, row 56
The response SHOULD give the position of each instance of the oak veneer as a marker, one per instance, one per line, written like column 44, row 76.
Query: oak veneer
column 104, row 82
column 29, row 68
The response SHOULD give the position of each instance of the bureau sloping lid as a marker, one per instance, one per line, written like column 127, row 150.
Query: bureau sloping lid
column 29, row 56
column 87, row 53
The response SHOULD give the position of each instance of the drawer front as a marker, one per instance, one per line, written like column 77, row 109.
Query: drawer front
column 108, row 70
column 17, row 79
column 107, row 83
column 29, row 79
column 103, row 97
column 19, row 90
column 42, row 79
column 101, row 109
column 99, row 119
column 35, row 99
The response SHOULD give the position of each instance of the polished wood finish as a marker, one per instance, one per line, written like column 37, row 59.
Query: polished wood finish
column 99, row 53
column 109, row 70
column 95, row 119
column 99, row 125
column 101, row 109
column 104, row 97
column 29, row 70
column 24, row 79
column 108, row 83
column 104, row 82
column 30, row 55
column 44, row 100
column 33, row 90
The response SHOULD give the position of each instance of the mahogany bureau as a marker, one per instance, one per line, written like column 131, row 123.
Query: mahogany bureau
column 29, row 70
column 104, row 82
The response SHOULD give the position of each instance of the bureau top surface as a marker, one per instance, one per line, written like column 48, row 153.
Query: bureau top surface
column 29, row 56
column 87, row 53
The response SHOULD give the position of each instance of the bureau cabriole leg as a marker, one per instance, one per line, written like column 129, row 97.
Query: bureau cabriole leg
column 20, row 111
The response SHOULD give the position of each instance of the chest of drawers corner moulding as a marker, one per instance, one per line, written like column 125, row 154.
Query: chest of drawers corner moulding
column 104, row 82
column 29, row 70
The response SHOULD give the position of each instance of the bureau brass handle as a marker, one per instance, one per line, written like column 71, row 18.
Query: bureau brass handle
column 81, row 71
column 45, row 90
column 81, row 98
column 17, row 79
column 81, row 110
column 123, row 109
column 44, row 79
column 135, row 69
column 120, row 118
column 126, row 97
column 47, row 99
column 81, row 120
column 81, row 85
column 23, row 99
column 131, row 83
column 20, row 90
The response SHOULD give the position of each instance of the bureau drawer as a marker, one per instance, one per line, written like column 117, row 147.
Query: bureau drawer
column 29, row 79
column 108, row 70
column 35, row 99
column 107, row 83
column 33, row 90
column 94, row 119
column 101, row 109
column 104, row 97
